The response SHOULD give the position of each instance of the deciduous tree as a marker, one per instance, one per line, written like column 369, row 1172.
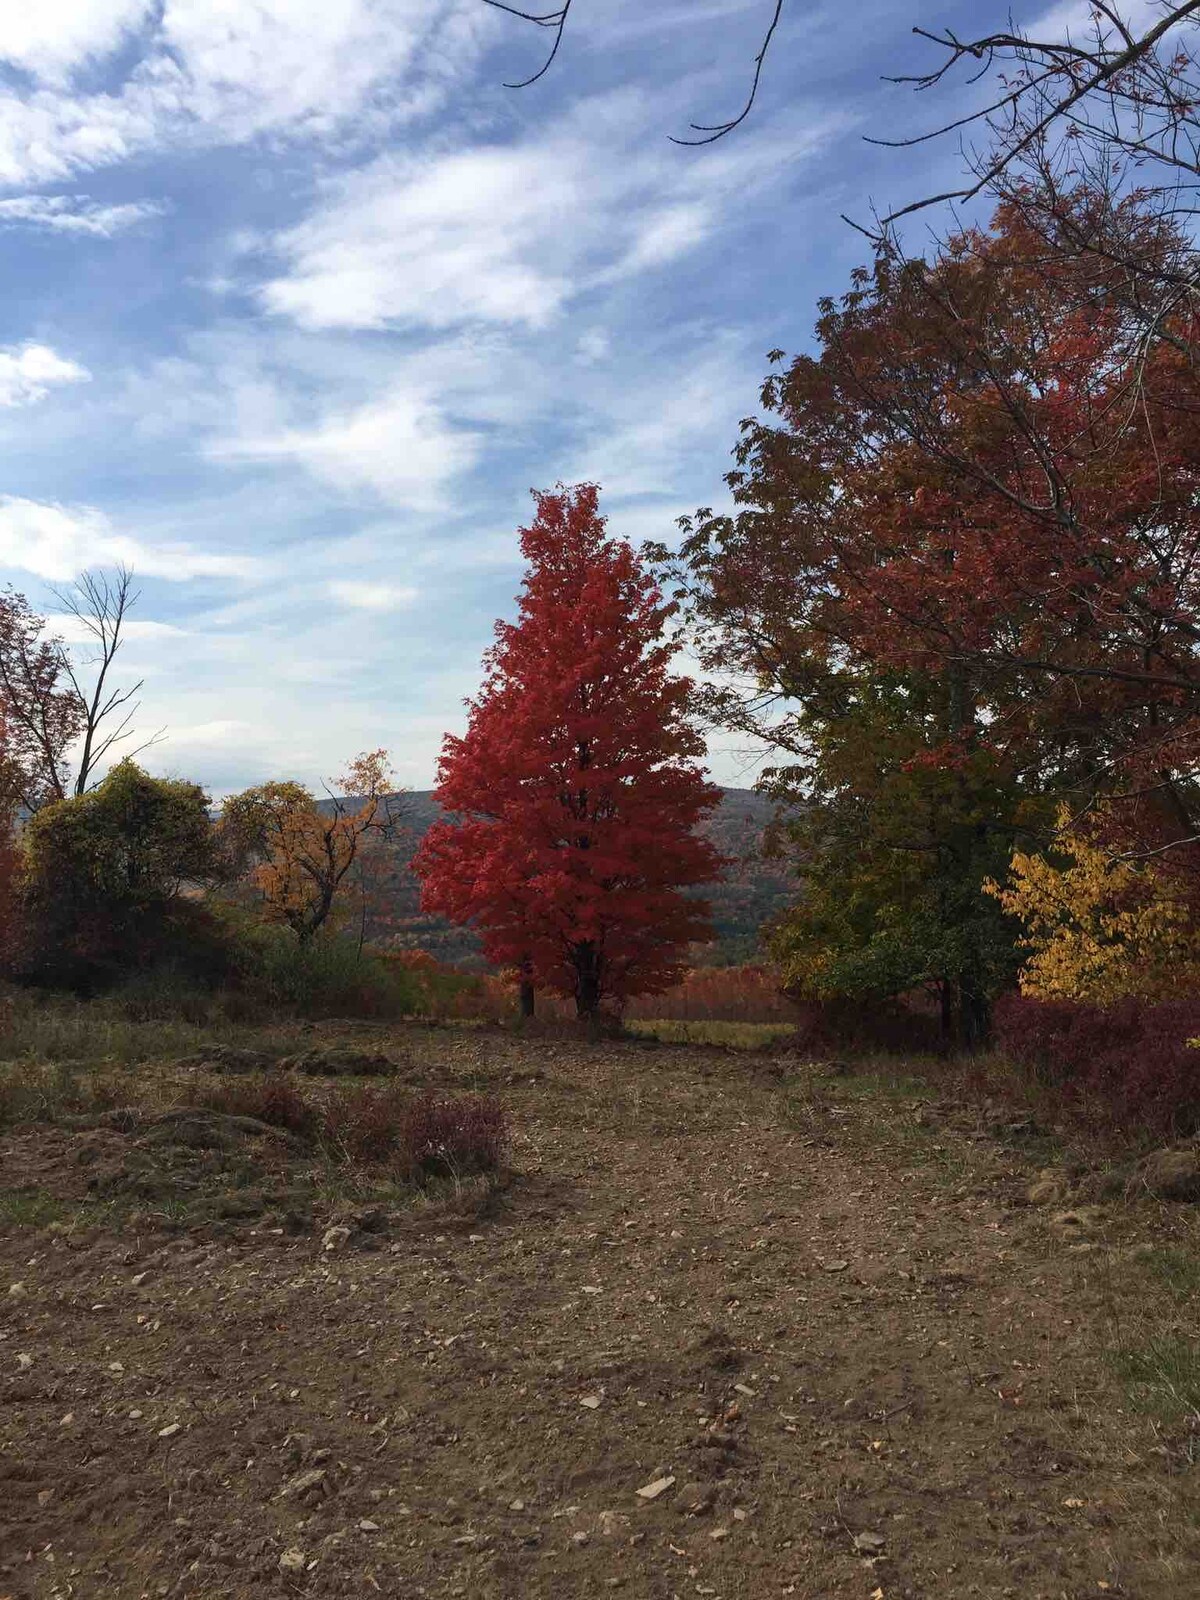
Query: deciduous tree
column 299, row 855
column 576, row 790
column 103, row 871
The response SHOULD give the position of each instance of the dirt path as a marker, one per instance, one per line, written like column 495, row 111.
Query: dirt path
column 869, row 1371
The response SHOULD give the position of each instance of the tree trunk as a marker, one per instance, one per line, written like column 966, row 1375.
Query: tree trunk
column 526, row 1000
column 587, row 981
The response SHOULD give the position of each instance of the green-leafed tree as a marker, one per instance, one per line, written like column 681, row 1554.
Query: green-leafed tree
column 893, row 842
column 106, row 875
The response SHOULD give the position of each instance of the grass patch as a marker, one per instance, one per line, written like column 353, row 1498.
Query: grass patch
column 734, row 1035
column 1162, row 1375
column 30, row 1208
column 1176, row 1268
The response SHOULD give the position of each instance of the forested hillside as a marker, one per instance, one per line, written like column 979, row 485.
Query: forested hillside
column 751, row 892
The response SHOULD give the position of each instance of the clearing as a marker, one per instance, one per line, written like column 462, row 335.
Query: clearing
column 811, row 1317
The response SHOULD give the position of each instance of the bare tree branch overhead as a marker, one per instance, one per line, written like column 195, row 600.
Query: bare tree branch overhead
column 1072, row 87
column 101, row 605
column 709, row 132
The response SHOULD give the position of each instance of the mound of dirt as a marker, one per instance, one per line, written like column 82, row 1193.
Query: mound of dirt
column 335, row 1063
column 228, row 1058
column 197, row 1165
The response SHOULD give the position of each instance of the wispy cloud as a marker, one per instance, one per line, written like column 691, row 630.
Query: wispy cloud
column 212, row 72
column 75, row 213
column 509, row 233
column 367, row 596
column 29, row 371
column 55, row 542
column 400, row 448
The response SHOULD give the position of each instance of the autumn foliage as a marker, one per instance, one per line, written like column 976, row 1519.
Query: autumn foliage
column 298, row 856
column 576, row 789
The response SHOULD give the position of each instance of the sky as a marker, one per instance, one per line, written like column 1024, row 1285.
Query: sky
column 299, row 301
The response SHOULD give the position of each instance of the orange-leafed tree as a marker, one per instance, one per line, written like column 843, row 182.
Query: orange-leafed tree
column 299, row 853
column 576, row 792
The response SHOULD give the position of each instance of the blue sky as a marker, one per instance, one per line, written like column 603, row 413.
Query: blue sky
column 299, row 301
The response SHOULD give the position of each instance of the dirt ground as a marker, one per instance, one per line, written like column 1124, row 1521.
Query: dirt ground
column 816, row 1324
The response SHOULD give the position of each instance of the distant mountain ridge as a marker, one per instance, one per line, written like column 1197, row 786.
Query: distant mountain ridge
column 753, row 891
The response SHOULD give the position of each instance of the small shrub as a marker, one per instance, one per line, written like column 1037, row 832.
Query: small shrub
column 274, row 1099
column 414, row 1136
column 465, row 1134
column 1124, row 1065
column 325, row 977
column 365, row 1123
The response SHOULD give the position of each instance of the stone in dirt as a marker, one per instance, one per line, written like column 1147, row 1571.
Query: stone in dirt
column 868, row 1543
column 1172, row 1174
column 334, row 1238
column 304, row 1484
column 651, row 1491
column 293, row 1561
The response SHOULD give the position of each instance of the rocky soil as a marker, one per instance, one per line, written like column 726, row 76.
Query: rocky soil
column 732, row 1328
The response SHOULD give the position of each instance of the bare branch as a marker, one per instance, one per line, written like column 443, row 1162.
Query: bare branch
column 548, row 19
column 717, row 130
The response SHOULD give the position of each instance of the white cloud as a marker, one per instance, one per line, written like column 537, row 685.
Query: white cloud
column 51, row 37
column 213, row 72
column 75, row 213
column 400, row 448
column 55, row 542
column 29, row 371
column 368, row 596
column 507, row 234
column 73, row 630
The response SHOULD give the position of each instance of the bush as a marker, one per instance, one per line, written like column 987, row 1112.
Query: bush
column 413, row 1136
column 274, row 1099
column 323, row 977
column 1125, row 1064
column 416, row 1136
column 856, row 1026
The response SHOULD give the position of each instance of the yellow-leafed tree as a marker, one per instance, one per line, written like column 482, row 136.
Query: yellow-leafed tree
column 1100, row 927
column 299, row 854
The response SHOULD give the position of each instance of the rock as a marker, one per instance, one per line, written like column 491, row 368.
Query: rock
column 651, row 1491
column 334, row 1238
column 834, row 1266
column 24, row 1360
column 1172, row 1174
column 17, row 1291
column 305, row 1484
column 367, row 1526
column 169, row 1432
column 868, row 1543
column 293, row 1560
column 591, row 1401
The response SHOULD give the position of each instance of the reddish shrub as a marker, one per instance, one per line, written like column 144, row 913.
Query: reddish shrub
column 274, row 1099
column 415, row 1136
column 1124, row 1064
column 364, row 1123
column 466, row 1134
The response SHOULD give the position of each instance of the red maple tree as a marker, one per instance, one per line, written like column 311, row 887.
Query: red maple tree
column 575, row 792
